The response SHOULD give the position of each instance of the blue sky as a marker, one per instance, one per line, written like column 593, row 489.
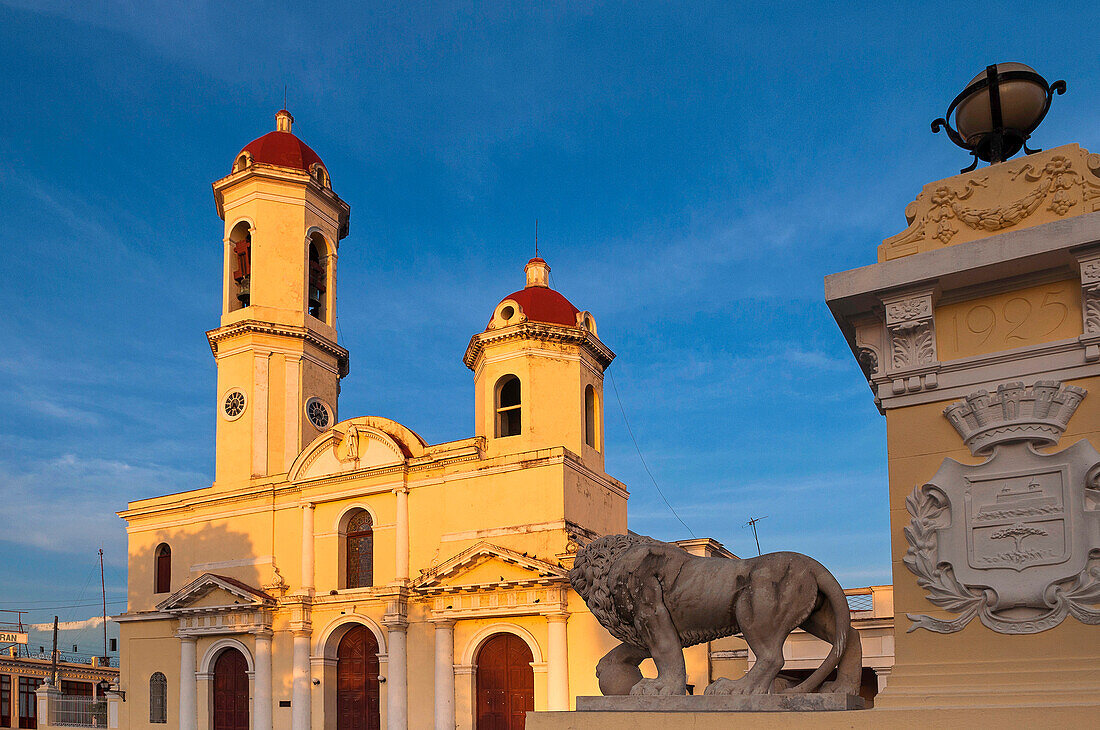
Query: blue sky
column 696, row 169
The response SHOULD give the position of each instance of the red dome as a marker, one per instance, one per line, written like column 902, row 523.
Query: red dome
column 541, row 304
column 283, row 149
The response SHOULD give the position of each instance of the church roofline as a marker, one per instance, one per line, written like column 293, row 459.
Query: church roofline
column 283, row 174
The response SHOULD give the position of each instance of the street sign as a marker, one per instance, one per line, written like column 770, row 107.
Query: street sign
column 12, row 637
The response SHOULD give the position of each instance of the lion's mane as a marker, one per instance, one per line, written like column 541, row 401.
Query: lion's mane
column 589, row 578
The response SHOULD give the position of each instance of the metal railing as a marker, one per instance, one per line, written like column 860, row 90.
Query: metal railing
column 78, row 711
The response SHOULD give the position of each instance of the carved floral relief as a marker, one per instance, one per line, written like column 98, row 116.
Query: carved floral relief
column 1040, row 188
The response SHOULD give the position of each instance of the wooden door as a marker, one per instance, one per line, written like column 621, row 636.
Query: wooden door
column 505, row 683
column 357, row 681
column 230, row 691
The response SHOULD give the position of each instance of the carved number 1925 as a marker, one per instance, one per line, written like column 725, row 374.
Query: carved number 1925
column 983, row 320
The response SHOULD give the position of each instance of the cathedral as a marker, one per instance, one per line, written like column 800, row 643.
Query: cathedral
column 341, row 572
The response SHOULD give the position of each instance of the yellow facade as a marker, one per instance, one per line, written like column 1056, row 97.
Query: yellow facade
column 993, row 283
column 471, row 538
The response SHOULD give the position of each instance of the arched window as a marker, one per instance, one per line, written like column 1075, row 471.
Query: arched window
column 158, row 698
column 243, row 161
column 317, row 277
column 360, row 551
column 164, row 568
column 591, row 418
column 508, row 406
column 241, row 263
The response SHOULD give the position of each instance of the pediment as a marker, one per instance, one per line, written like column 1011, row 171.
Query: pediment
column 358, row 444
column 485, row 565
column 211, row 591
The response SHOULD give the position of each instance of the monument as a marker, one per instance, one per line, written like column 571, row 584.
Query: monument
column 978, row 332
column 657, row 599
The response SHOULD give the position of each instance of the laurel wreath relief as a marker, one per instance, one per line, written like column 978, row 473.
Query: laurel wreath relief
column 1072, row 597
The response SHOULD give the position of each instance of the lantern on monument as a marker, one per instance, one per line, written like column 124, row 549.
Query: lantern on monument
column 998, row 110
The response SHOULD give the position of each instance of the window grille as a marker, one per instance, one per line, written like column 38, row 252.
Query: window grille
column 360, row 551
column 158, row 698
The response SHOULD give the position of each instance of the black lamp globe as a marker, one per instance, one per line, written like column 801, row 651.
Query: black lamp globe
column 998, row 110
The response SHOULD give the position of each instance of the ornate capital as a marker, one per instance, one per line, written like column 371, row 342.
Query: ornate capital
column 911, row 341
column 1089, row 264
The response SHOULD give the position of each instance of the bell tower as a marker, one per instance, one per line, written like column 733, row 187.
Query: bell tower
column 279, row 363
column 538, row 373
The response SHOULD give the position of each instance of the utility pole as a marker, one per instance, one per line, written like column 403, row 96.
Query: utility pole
column 103, row 588
column 752, row 523
column 53, row 670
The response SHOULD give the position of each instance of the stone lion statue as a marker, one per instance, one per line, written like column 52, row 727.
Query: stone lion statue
column 656, row 599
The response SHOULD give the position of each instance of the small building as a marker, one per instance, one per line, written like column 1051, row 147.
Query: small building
column 79, row 679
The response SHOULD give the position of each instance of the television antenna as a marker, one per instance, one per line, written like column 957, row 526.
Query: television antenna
column 752, row 523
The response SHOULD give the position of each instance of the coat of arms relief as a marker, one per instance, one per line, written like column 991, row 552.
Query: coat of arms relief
column 1014, row 540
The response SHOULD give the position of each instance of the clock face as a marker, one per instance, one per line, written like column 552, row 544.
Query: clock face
column 233, row 404
column 318, row 413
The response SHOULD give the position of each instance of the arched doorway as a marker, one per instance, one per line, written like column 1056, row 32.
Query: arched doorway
column 357, row 681
column 230, row 691
column 505, row 683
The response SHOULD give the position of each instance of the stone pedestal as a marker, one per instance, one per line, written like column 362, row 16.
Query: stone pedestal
column 723, row 703
column 908, row 719
column 978, row 332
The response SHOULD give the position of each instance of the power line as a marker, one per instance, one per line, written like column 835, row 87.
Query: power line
column 642, row 458
column 51, row 600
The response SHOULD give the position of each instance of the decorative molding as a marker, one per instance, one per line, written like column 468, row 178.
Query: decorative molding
column 911, row 340
column 432, row 579
column 1013, row 540
column 305, row 334
column 1037, row 413
column 1039, row 188
column 1089, row 265
column 542, row 332
column 912, row 344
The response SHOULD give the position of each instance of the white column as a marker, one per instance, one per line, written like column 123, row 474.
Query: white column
column 557, row 669
column 300, row 711
column 47, row 700
column 307, row 548
column 397, row 679
column 189, row 696
column 402, row 493
column 444, row 674
column 113, row 702
column 263, row 699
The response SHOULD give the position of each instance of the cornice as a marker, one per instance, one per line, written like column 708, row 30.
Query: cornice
column 43, row 668
column 542, row 332
column 305, row 334
column 282, row 174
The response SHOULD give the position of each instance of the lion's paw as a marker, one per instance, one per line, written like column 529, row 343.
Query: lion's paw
column 723, row 686
column 658, row 686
